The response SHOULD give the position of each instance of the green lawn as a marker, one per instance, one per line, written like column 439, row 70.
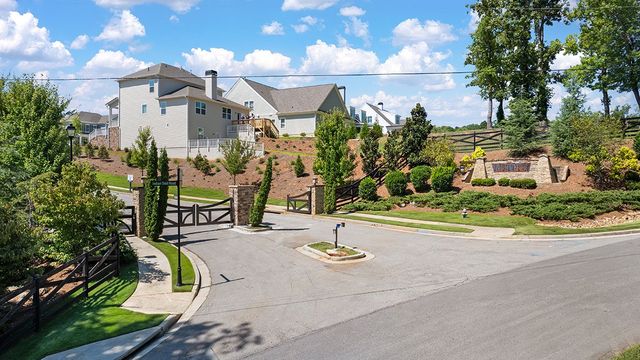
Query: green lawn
column 97, row 318
column 323, row 246
column 205, row 193
column 171, row 252
column 632, row 353
column 522, row 225
column 457, row 229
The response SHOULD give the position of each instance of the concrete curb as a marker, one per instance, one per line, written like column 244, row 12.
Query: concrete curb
column 160, row 330
column 361, row 254
column 200, row 295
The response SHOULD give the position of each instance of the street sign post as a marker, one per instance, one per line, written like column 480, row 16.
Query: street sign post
column 130, row 180
column 177, row 185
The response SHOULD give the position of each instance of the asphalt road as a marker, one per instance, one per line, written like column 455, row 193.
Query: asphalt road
column 424, row 295
column 579, row 306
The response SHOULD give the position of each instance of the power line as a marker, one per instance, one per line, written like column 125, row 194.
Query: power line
column 371, row 74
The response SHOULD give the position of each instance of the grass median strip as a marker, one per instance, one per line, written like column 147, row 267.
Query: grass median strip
column 323, row 246
column 434, row 227
column 171, row 252
column 93, row 319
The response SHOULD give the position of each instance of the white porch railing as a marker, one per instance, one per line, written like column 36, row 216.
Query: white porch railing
column 244, row 132
column 214, row 146
column 98, row 132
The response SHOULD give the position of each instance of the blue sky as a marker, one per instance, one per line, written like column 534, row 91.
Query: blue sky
column 111, row 38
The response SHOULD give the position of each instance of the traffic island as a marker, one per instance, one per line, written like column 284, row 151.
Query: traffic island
column 254, row 229
column 328, row 252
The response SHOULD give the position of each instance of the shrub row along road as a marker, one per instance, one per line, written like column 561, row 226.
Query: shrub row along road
column 422, row 296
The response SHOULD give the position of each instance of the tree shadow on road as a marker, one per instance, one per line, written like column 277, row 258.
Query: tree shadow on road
column 198, row 340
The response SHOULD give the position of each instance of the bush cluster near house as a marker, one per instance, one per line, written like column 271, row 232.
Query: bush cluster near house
column 483, row 182
column 442, row 178
column 568, row 206
column 202, row 164
column 420, row 176
column 368, row 189
column 396, row 183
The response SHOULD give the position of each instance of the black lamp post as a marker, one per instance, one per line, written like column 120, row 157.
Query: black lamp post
column 71, row 133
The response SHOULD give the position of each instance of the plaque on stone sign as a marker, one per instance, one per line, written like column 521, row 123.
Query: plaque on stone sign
column 511, row 167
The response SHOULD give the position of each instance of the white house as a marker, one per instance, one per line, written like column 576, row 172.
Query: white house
column 294, row 110
column 372, row 114
column 185, row 113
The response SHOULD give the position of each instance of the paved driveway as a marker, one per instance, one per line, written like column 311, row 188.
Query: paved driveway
column 275, row 294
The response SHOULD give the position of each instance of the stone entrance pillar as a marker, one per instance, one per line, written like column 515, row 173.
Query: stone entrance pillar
column 479, row 169
column 138, row 203
column 242, row 196
column 317, row 197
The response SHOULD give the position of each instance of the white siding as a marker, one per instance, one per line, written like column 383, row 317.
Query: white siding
column 297, row 124
column 212, row 122
column 241, row 92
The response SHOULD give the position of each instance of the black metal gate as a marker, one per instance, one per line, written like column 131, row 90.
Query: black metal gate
column 194, row 215
column 299, row 203
column 127, row 220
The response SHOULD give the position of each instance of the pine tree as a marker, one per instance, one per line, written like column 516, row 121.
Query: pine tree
column 298, row 167
column 415, row 133
column 257, row 211
column 163, row 192
column 520, row 128
column 151, row 194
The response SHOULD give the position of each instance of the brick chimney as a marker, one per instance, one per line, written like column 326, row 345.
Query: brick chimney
column 211, row 84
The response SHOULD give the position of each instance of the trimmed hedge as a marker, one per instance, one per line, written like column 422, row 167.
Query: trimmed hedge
column 523, row 183
column 442, row 178
column 368, row 189
column 396, row 183
column 504, row 181
column 420, row 176
column 483, row 182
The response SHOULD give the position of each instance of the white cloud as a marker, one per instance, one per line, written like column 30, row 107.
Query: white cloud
column 352, row 11
column 307, row 4
column 275, row 28
column 331, row 59
column 7, row 5
column 358, row 28
column 432, row 32
column 174, row 19
column 22, row 40
column 305, row 24
column 180, row 6
column 92, row 95
column 300, row 28
column 258, row 62
column 79, row 42
column 309, row 20
column 565, row 61
column 122, row 27
column 474, row 19
column 419, row 58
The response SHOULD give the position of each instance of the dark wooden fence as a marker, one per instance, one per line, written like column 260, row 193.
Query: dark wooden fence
column 631, row 127
column 299, row 203
column 127, row 220
column 25, row 308
column 348, row 193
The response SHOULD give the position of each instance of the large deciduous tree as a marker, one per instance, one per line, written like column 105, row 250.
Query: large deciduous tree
column 488, row 55
column 334, row 160
column 609, row 43
column 31, row 116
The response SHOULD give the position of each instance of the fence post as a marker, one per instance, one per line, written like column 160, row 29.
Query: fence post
column 474, row 141
column 85, row 274
column 36, row 303
column 196, row 214
column 501, row 138
column 117, row 235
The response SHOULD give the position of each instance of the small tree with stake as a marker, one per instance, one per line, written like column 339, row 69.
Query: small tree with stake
column 236, row 157
column 257, row 211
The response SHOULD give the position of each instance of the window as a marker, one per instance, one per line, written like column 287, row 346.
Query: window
column 283, row 123
column 369, row 119
column 226, row 113
column 249, row 104
column 163, row 108
column 201, row 133
column 201, row 108
column 152, row 86
column 397, row 119
column 144, row 108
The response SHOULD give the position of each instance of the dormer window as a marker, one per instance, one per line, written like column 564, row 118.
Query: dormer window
column 152, row 86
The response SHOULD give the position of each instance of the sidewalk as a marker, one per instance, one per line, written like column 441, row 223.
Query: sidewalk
column 153, row 295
